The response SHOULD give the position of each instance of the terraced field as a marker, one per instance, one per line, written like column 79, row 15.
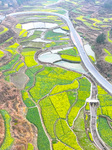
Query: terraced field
column 105, row 130
column 8, row 140
column 54, row 97
column 50, row 89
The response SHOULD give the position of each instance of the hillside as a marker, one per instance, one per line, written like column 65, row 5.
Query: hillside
column 91, row 18
column 48, row 99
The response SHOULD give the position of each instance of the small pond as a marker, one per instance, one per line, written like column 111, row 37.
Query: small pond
column 49, row 57
column 72, row 66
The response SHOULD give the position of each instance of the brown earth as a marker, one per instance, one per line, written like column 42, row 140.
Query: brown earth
column 10, row 23
column 22, row 131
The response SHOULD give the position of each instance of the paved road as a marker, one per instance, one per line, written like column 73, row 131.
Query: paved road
column 98, row 141
column 76, row 40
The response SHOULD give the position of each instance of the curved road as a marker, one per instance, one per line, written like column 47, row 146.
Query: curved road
column 77, row 41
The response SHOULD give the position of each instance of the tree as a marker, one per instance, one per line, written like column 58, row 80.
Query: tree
column 101, row 38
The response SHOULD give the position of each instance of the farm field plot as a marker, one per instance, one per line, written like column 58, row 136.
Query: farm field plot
column 108, row 34
column 105, row 102
column 104, row 130
column 108, row 58
column 4, row 30
column 29, row 58
column 50, row 76
column 31, row 74
column 52, row 98
column 43, row 142
column 67, row 136
column 57, row 106
column 71, row 52
column 79, row 129
column 8, row 140
column 104, row 113
column 71, row 58
column 53, row 35
column 1, row 54
column 84, row 89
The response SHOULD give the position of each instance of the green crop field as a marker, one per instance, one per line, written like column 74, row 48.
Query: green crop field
column 28, row 102
column 108, row 58
column 71, row 58
column 65, row 28
column 92, row 58
column 30, row 146
column 105, row 131
column 81, row 18
column 4, row 30
column 12, row 49
column 105, row 110
column 53, row 44
column 51, row 76
column 107, row 51
column 61, row 146
column 79, row 129
column 84, row 89
column 61, row 88
column 8, row 140
column 53, row 35
column 108, row 36
column 66, row 135
column 105, row 102
column 1, row 54
column 11, row 63
column 36, row 34
column 31, row 74
column 72, row 52
column 29, row 58
column 50, row 117
column 57, row 106
column 43, row 142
